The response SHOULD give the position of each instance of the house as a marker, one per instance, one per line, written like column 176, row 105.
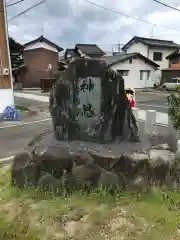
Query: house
column 173, row 69
column 85, row 50
column 40, row 61
column 6, row 89
column 136, row 69
column 155, row 49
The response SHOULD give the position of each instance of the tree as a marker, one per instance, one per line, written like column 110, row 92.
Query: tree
column 174, row 108
column 16, row 50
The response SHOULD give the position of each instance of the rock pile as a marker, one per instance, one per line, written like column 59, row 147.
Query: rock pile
column 57, row 169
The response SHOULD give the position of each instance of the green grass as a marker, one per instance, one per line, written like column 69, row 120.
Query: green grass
column 32, row 215
column 21, row 108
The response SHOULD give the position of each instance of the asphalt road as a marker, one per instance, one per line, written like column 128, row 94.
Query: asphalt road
column 13, row 139
column 144, row 101
column 152, row 101
column 41, row 106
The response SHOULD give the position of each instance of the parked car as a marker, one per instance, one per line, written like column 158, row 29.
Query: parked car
column 171, row 84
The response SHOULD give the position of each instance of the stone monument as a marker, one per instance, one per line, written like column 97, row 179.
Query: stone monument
column 89, row 103
column 90, row 112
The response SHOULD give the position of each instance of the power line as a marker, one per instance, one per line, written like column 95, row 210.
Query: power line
column 28, row 9
column 128, row 16
column 166, row 5
column 9, row 1
column 73, row 44
column 11, row 4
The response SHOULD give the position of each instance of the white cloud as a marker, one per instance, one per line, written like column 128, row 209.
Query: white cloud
column 73, row 21
column 169, row 18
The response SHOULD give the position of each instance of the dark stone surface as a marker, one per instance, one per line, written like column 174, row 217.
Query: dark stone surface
column 71, row 165
column 24, row 173
column 106, row 149
column 54, row 160
column 115, row 119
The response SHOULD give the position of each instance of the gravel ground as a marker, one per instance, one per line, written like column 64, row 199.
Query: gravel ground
column 156, row 138
column 46, row 139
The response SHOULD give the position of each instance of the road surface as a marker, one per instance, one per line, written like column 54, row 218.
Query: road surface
column 152, row 101
column 13, row 139
column 145, row 101
column 41, row 106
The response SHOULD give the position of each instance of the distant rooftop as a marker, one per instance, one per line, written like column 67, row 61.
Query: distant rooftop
column 152, row 42
column 91, row 49
column 43, row 39
column 123, row 56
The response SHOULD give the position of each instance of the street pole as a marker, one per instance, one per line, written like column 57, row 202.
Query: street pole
column 6, row 83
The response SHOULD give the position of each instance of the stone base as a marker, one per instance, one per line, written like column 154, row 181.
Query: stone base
column 68, row 166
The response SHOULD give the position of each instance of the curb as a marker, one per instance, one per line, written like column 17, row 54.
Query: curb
column 157, row 124
column 6, row 160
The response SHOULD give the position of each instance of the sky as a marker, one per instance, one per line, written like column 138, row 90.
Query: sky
column 67, row 22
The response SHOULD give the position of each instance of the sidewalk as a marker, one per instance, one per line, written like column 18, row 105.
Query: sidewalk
column 161, row 118
column 32, row 96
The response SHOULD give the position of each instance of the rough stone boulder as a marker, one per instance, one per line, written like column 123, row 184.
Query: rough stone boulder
column 54, row 160
column 48, row 182
column 24, row 172
column 110, row 180
column 59, row 168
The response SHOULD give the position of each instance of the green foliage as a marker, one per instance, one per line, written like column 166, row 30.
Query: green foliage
column 16, row 50
column 174, row 108
column 59, row 75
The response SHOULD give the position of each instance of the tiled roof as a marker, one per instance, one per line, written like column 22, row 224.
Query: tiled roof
column 43, row 39
column 90, row 49
column 123, row 56
column 152, row 42
column 174, row 54
column 72, row 52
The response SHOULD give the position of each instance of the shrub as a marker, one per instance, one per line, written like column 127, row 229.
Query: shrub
column 174, row 108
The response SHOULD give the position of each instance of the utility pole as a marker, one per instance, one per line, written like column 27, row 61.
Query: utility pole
column 152, row 31
column 6, row 84
column 119, row 47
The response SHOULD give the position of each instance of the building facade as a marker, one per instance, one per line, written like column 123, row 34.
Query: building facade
column 154, row 49
column 137, row 71
column 41, row 59
column 6, row 86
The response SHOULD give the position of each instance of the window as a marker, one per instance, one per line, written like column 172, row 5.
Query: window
column 130, row 60
column 157, row 56
column 144, row 75
column 123, row 72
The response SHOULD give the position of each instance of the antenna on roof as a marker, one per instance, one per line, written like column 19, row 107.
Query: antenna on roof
column 42, row 30
column 152, row 31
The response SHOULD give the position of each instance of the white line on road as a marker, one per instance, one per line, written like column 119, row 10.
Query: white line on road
column 154, row 106
column 41, row 105
column 26, row 123
column 40, row 98
column 6, row 160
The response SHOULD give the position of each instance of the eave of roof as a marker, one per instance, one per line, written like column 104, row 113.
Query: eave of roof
column 124, row 57
column 176, row 53
column 171, row 69
column 43, row 39
column 92, row 49
column 152, row 42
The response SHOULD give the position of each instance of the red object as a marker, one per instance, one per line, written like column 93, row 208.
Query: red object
column 132, row 102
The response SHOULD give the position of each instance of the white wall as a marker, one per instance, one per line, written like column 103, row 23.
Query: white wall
column 133, row 79
column 41, row 45
column 148, row 52
column 165, row 52
column 7, row 98
column 138, row 47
